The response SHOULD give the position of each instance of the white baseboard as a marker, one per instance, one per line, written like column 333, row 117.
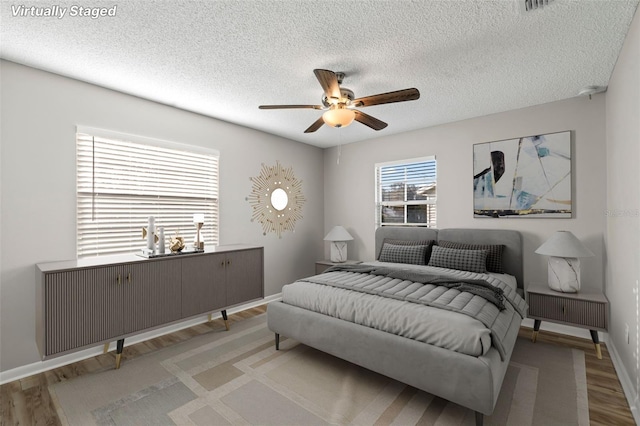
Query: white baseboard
column 41, row 366
column 627, row 384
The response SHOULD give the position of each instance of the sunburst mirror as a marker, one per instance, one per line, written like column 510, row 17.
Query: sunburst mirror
column 276, row 198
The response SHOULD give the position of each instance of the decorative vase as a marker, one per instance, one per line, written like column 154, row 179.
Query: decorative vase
column 161, row 241
column 151, row 233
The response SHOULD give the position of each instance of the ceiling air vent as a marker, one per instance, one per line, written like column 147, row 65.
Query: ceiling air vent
column 531, row 5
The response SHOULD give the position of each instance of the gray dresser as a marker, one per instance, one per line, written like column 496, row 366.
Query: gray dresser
column 88, row 302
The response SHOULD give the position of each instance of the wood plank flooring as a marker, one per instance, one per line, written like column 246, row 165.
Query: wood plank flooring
column 607, row 402
column 28, row 402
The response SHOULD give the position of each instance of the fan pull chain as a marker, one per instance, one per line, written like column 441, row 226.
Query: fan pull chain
column 339, row 146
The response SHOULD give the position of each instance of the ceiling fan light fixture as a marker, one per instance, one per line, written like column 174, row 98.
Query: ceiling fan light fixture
column 339, row 117
column 340, row 101
column 591, row 90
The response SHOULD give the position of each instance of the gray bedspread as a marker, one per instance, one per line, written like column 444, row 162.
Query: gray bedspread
column 392, row 284
column 477, row 287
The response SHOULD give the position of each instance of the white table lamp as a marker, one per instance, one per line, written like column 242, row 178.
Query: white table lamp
column 564, row 251
column 338, row 237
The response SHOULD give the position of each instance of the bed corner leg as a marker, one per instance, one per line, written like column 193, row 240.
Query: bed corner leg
column 277, row 342
column 479, row 418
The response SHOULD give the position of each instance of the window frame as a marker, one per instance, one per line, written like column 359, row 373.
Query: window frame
column 379, row 204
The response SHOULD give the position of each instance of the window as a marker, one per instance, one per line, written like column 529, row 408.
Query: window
column 406, row 192
column 122, row 180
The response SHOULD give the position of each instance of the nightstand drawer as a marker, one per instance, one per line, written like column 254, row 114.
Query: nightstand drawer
column 589, row 314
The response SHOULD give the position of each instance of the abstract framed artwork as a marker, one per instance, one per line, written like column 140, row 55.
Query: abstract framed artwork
column 524, row 177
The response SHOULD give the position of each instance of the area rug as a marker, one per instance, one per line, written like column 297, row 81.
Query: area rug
column 238, row 378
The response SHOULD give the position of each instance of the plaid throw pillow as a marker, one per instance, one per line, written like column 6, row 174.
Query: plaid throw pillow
column 494, row 253
column 464, row 260
column 396, row 253
column 427, row 243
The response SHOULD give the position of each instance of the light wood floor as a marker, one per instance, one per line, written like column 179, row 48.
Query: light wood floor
column 27, row 401
column 607, row 403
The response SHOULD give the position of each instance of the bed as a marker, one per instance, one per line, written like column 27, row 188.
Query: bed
column 464, row 340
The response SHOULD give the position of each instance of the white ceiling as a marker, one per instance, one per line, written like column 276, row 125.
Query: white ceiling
column 222, row 59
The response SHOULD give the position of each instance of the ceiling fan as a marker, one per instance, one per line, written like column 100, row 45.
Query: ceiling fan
column 339, row 103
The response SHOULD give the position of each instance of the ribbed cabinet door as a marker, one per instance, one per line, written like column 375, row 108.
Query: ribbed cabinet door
column 203, row 284
column 82, row 307
column 152, row 294
column 244, row 276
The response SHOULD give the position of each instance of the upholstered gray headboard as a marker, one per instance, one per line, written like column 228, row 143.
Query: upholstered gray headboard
column 405, row 233
column 512, row 240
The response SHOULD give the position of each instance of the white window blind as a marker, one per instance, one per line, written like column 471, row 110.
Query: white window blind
column 121, row 183
column 406, row 192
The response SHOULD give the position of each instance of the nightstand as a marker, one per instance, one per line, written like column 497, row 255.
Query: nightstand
column 586, row 309
column 322, row 265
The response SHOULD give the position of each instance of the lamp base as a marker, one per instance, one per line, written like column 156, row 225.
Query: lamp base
column 564, row 274
column 338, row 251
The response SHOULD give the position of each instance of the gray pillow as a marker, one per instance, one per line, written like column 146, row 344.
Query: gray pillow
column 397, row 253
column 494, row 253
column 427, row 243
column 464, row 260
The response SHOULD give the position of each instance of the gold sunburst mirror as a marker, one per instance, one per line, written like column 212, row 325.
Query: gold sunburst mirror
column 276, row 198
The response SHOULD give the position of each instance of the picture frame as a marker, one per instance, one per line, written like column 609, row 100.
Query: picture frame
column 526, row 177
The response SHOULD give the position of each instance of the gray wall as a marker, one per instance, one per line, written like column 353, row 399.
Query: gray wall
column 40, row 112
column 623, row 203
column 350, row 186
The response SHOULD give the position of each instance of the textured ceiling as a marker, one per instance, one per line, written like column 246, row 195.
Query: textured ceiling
column 224, row 58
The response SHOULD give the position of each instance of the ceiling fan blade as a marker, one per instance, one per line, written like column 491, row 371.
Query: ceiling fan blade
column 329, row 82
column 370, row 121
column 315, row 126
column 388, row 98
column 290, row 106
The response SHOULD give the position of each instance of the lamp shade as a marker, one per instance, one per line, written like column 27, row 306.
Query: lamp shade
column 338, row 233
column 339, row 117
column 564, row 244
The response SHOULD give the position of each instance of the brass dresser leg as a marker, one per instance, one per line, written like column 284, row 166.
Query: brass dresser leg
column 536, row 328
column 598, row 351
column 119, row 348
column 596, row 342
column 226, row 320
